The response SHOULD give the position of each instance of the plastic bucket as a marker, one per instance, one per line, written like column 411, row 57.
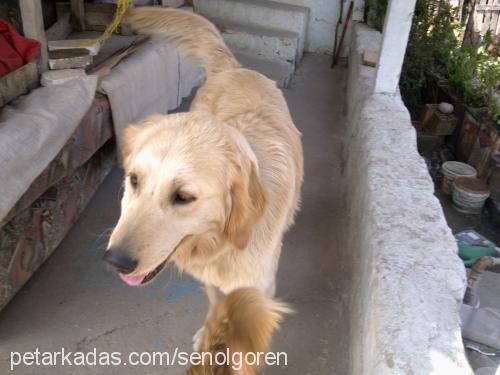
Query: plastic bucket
column 452, row 170
column 469, row 194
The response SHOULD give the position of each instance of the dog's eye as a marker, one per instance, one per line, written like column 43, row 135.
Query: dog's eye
column 134, row 182
column 180, row 197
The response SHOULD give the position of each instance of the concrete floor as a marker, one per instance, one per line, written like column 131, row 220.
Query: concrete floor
column 75, row 302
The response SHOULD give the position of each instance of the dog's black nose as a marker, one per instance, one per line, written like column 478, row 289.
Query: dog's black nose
column 120, row 261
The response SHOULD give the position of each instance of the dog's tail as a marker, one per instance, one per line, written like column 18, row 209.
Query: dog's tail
column 243, row 322
column 193, row 35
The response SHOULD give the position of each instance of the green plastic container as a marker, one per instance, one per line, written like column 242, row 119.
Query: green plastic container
column 472, row 246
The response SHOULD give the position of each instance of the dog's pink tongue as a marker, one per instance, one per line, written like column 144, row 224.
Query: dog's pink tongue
column 132, row 280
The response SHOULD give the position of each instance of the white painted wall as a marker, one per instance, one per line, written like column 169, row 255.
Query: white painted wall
column 394, row 41
column 322, row 21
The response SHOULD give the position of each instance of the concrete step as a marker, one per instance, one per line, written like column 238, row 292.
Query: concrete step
column 268, row 43
column 278, row 71
column 265, row 13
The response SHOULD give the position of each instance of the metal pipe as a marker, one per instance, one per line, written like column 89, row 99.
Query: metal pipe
column 349, row 14
column 339, row 22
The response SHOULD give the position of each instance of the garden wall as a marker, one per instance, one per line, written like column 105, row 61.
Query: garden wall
column 409, row 281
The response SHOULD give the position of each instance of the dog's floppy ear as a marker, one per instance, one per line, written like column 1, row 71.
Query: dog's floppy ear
column 130, row 135
column 248, row 203
column 127, row 141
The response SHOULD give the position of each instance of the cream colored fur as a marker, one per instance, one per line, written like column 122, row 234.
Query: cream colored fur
column 193, row 35
column 236, row 155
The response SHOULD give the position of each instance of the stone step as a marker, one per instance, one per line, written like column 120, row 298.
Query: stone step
column 268, row 43
column 265, row 13
column 278, row 71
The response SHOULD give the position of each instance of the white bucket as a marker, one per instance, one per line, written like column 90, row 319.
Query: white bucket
column 469, row 195
column 452, row 170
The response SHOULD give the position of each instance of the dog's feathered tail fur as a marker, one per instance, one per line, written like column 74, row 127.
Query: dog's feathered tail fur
column 193, row 35
column 243, row 322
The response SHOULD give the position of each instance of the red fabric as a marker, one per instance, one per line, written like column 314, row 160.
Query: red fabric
column 15, row 50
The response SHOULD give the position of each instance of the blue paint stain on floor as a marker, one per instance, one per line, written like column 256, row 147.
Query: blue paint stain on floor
column 176, row 290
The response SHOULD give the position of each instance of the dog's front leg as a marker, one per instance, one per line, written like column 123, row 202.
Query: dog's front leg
column 214, row 296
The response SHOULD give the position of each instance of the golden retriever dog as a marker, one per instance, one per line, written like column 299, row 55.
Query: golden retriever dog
column 214, row 189
column 243, row 322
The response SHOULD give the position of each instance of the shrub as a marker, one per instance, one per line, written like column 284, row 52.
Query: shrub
column 435, row 46
column 433, row 37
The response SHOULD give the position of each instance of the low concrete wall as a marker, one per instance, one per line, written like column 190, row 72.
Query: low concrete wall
column 409, row 281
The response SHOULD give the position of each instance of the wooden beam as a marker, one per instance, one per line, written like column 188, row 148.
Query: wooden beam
column 32, row 17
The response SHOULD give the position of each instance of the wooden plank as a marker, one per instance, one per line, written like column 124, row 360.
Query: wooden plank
column 78, row 14
column 497, row 30
column 489, row 7
column 489, row 18
column 103, row 69
column 484, row 22
column 494, row 22
column 32, row 17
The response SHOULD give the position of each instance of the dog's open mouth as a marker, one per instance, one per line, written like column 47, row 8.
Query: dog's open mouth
column 147, row 277
column 142, row 279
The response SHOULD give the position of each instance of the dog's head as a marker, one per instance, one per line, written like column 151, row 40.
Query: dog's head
column 188, row 178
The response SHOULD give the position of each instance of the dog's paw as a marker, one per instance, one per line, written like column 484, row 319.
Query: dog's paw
column 198, row 340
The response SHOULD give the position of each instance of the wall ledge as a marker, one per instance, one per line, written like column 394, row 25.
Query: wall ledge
column 407, row 297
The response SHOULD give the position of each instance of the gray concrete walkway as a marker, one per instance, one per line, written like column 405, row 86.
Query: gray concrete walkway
column 76, row 303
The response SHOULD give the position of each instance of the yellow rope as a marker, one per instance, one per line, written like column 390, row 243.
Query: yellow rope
column 121, row 8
